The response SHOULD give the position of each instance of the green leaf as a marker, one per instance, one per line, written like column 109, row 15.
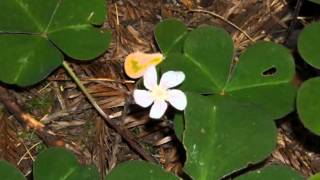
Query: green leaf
column 134, row 170
column 58, row 163
column 315, row 177
column 36, row 30
column 207, row 56
column 26, row 59
column 263, row 72
column 220, row 133
column 308, row 104
column 309, row 44
column 83, row 44
column 73, row 32
column 232, row 102
column 9, row 172
column 272, row 172
column 179, row 125
column 251, row 70
column 196, row 79
column 315, row 1
column 172, row 41
column 210, row 51
column 89, row 172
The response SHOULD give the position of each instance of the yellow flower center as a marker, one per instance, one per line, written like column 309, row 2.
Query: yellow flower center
column 159, row 94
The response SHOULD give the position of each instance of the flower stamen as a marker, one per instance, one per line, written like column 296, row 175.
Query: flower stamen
column 159, row 94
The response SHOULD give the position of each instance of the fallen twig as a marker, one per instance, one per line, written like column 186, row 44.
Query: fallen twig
column 123, row 132
column 27, row 120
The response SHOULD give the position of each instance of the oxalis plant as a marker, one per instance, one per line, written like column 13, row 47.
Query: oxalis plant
column 308, row 100
column 232, row 102
column 35, row 35
column 226, row 103
column 61, row 164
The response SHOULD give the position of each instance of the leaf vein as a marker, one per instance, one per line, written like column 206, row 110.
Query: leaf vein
column 28, row 13
column 204, row 70
column 53, row 15
column 176, row 41
column 257, row 85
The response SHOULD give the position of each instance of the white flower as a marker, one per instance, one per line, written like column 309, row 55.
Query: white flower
column 160, row 94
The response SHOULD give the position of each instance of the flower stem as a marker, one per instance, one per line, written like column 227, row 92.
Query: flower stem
column 124, row 133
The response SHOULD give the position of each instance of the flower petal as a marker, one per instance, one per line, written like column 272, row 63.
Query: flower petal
column 177, row 99
column 137, row 63
column 158, row 109
column 142, row 97
column 150, row 78
column 171, row 79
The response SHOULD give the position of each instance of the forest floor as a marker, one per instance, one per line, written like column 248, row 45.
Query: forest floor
column 58, row 104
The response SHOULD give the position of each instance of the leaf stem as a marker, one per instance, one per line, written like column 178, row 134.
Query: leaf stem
column 124, row 133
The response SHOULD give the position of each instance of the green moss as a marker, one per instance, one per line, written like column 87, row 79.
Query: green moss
column 32, row 138
column 40, row 104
